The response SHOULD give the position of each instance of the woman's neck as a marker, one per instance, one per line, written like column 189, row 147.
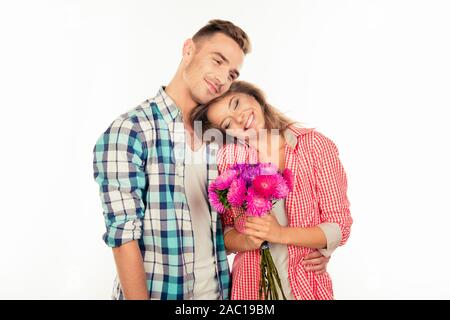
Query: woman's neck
column 270, row 147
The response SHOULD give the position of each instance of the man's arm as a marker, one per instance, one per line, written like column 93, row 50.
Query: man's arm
column 119, row 160
column 130, row 269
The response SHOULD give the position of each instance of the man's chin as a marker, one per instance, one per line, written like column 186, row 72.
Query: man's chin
column 203, row 99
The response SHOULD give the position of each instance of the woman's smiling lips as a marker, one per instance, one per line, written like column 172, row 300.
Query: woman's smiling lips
column 250, row 121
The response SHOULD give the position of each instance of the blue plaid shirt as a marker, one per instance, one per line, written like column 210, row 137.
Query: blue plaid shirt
column 139, row 165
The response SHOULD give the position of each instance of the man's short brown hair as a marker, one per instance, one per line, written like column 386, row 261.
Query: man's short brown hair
column 228, row 29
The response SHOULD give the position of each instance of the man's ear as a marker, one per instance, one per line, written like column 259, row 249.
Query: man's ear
column 188, row 49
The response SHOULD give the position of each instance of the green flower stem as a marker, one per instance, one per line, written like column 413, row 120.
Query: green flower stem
column 275, row 272
column 223, row 198
column 269, row 276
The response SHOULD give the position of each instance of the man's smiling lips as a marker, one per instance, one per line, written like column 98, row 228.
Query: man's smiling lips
column 211, row 87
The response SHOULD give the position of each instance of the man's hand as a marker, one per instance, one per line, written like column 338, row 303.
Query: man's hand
column 315, row 261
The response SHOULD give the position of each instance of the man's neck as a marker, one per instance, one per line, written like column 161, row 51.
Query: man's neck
column 179, row 93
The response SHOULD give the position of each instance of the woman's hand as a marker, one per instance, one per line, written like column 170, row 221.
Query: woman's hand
column 250, row 242
column 253, row 243
column 266, row 227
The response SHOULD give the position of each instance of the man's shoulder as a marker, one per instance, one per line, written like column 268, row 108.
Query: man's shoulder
column 141, row 113
column 139, row 118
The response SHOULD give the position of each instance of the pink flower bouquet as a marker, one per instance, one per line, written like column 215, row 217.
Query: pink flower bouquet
column 255, row 188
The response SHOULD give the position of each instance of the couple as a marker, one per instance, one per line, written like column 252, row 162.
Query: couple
column 167, row 240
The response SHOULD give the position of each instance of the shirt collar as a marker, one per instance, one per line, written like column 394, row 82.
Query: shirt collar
column 166, row 105
column 291, row 138
column 293, row 133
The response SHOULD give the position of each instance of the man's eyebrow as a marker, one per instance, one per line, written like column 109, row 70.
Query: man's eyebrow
column 236, row 73
column 221, row 56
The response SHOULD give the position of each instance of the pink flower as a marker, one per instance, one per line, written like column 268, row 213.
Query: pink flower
column 287, row 175
column 249, row 172
column 281, row 189
column 257, row 205
column 214, row 198
column 265, row 186
column 224, row 180
column 268, row 169
column 236, row 193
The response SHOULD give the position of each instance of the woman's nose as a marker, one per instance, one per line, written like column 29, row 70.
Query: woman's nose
column 240, row 118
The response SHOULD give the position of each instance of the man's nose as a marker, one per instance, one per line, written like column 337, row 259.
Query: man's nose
column 220, row 82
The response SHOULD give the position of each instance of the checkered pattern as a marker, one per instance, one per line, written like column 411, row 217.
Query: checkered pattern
column 319, row 195
column 139, row 165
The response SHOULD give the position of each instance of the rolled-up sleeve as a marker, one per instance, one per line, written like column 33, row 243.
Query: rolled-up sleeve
column 333, row 234
column 119, row 162
column 331, row 190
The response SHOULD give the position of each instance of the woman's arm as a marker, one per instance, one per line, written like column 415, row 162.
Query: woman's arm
column 238, row 242
column 268, row 228
column 331, row 189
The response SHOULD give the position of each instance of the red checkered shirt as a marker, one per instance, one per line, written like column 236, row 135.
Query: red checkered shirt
column 319, row 195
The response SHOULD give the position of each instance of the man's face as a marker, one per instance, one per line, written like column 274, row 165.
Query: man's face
column 212, row 65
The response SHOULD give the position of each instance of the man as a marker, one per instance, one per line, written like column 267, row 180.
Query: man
column 167, row 241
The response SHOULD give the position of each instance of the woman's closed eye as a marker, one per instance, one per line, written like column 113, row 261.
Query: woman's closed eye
column 236, row 104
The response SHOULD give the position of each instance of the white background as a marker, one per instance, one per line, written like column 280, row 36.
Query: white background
column 372, row 75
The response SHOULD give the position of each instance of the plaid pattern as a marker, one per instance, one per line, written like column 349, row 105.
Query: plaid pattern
column 139, row 165
column 319, row 196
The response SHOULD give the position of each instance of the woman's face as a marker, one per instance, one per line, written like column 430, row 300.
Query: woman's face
column 238, row 113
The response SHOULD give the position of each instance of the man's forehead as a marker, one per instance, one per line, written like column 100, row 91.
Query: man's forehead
column 220, row 43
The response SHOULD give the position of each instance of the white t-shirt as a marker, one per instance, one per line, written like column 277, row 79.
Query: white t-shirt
column 279, row 252
column 206, row 286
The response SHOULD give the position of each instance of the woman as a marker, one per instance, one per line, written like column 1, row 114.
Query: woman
column 314, row 216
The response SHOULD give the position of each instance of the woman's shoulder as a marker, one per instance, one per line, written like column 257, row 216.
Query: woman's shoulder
column 230, row 154
column 313, row 140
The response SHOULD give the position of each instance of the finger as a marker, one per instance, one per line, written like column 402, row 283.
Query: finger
column 269, row 217
column 257, row 233
column 251, row 232
column 320, row 272
column 316, row 268
column 254, row 219
column 255, row 239
column 312, row 255
column 313, row 261
column 255, row 226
